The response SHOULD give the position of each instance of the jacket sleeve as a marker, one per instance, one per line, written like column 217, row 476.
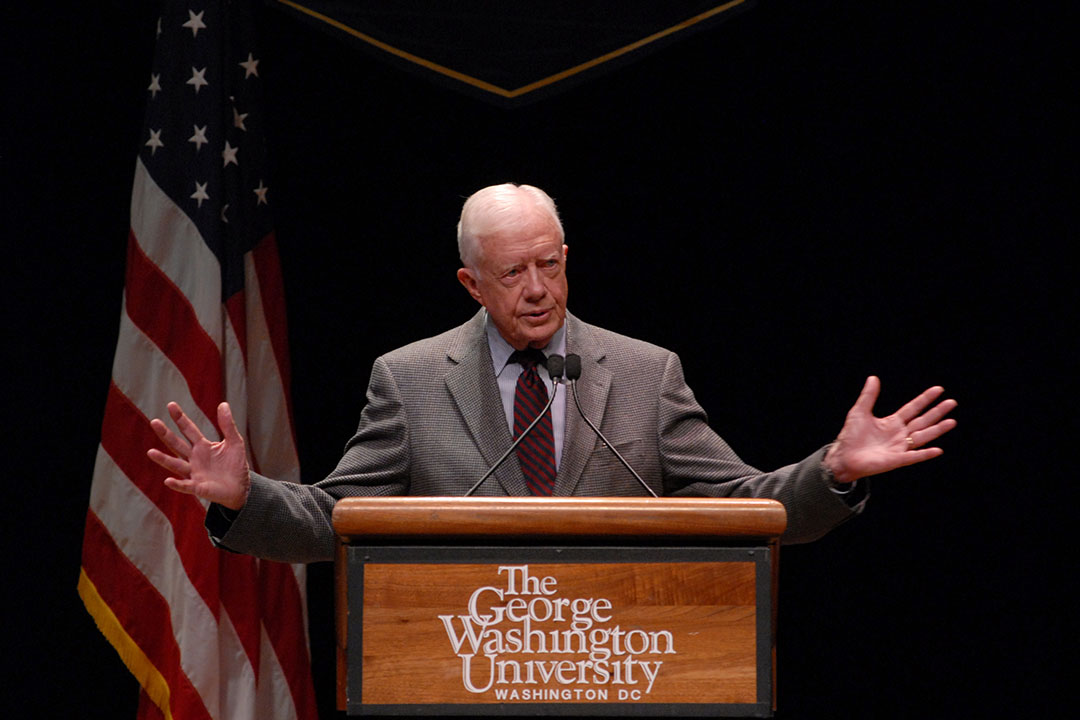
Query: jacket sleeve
column 288, row 522
column 697, row 462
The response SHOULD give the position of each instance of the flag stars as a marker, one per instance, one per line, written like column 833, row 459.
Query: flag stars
column 198, row 79
column 155, row 141
column 229, row 155
column 200, row 193
column 155, row 84
column 195, row 22
column 260, row 193
column 238, row 119
column 251, row 67
column 199, row 138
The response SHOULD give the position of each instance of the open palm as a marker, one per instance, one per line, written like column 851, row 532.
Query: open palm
column 869, row 445
column 215, row 471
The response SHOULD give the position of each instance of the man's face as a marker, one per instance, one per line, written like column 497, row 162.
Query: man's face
column 521, row 280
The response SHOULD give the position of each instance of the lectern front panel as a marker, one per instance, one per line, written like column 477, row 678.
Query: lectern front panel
column 559, row 631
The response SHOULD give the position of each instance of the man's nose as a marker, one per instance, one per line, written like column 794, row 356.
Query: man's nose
column 534, row 283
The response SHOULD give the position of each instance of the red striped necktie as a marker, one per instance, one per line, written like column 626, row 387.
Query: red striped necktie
column 536, row 453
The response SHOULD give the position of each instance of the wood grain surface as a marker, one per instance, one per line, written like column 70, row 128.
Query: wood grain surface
column 383, row 517
column 678, row 633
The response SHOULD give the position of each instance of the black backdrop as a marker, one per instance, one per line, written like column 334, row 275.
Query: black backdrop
column 806, row 194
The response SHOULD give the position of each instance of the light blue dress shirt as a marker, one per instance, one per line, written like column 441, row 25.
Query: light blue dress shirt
column 507, row 374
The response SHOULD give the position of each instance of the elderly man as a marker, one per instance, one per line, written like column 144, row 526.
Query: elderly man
column 441, row 411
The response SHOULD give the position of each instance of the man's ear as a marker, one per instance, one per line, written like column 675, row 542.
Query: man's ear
column 466, row 277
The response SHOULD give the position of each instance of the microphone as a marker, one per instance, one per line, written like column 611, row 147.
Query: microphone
column 555, row 365
column 573, row 367
column 573, row 372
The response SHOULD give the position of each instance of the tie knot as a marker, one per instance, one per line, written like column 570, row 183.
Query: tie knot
column 528, row 358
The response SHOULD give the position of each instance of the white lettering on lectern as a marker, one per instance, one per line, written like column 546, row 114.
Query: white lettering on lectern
column 506, row 626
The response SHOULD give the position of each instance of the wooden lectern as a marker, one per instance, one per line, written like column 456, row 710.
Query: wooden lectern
column 557, row 606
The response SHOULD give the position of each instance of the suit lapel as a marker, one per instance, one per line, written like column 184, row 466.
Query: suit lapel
column 473, row 388
column 579, row 440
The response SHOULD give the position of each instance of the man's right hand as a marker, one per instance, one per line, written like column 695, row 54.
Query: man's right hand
column 215, row 471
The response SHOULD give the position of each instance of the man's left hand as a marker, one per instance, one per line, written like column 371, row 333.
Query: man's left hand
column 869, row 445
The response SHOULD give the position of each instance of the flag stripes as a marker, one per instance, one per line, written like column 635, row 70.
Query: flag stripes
column 125, row 592
column 170, row 323
column 163, row 573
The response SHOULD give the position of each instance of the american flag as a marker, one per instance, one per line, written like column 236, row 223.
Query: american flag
column 208, row 634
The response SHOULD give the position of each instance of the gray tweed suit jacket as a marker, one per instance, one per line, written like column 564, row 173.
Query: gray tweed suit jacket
column 434, row 423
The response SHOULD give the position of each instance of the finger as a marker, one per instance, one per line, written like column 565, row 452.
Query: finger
column 184, row 485
column 917, row 456
column 174, row 442
column 913, row 407
column 869, row 395
column 190, row 430
column 920, row 438
column 227, row 424
column 932, row 416
column 171, row 463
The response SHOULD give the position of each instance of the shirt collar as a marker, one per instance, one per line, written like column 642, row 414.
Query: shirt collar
column 501, row 350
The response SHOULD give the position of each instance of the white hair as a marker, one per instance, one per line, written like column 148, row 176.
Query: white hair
column 500, row 209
